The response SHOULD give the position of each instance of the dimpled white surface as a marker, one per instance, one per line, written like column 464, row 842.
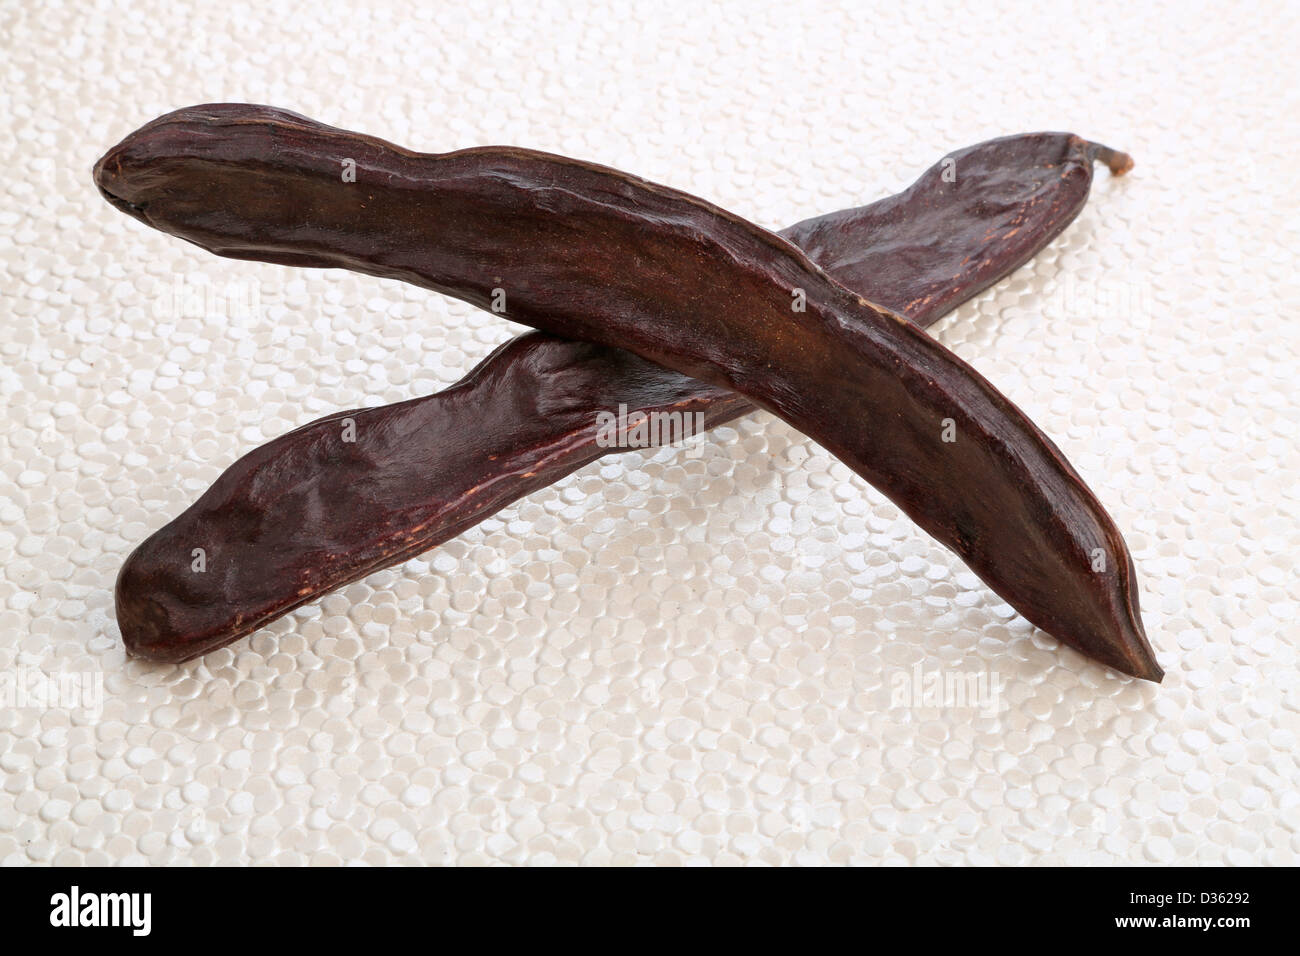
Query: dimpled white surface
column 663, row 659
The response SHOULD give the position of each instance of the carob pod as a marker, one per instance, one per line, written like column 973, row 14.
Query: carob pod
column 589, row 253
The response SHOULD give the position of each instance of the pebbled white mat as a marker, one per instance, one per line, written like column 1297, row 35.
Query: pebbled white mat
column 663, row 659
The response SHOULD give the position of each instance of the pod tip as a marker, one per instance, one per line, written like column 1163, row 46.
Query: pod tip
column 1150, row 671
column 1137, row 659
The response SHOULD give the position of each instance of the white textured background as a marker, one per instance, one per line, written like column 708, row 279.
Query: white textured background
column 662, row 660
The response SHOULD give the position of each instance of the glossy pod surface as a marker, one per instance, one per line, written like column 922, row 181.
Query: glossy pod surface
column 589, row 253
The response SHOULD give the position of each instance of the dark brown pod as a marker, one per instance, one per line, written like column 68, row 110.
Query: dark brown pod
column 589, row 253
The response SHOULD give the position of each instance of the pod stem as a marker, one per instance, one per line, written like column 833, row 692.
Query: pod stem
column 1117, row 162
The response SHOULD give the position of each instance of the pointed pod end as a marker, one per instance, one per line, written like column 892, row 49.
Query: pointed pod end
column 1132, row 653
column 1147, row 669
column 1112, row 634
column 1137, row 648
column 1133, row 659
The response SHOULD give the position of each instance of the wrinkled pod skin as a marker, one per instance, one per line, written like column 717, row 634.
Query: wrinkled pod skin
column 592, row 254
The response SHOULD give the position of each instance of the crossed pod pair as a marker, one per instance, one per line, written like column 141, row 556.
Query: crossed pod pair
column 645, row 297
